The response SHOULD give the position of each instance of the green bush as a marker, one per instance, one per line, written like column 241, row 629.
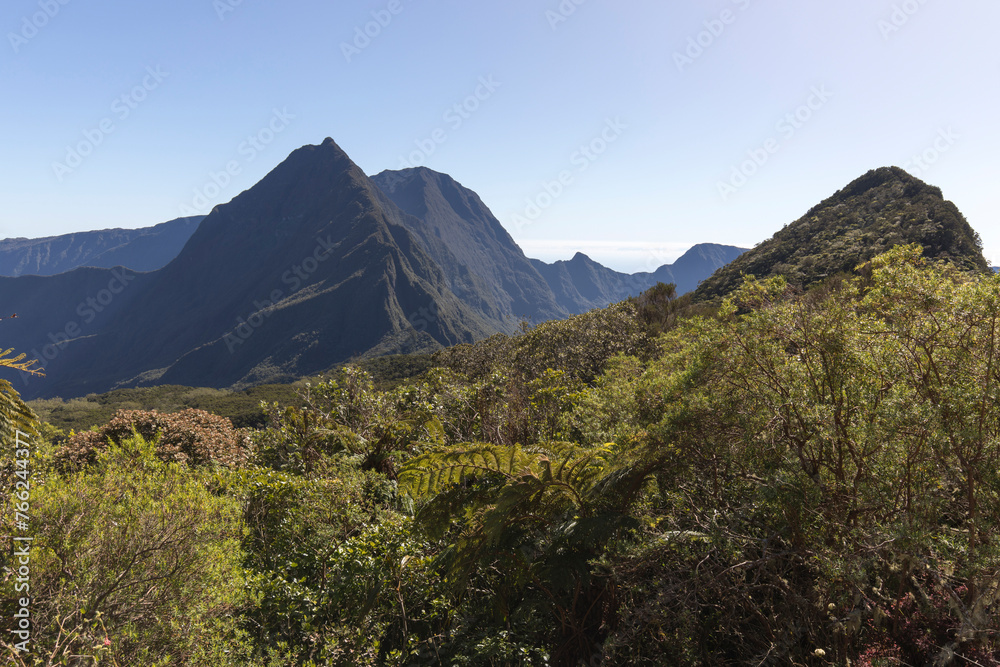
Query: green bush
column 135, row 561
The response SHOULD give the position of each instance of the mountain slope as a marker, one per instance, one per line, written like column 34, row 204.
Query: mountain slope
column 581, row 284
column 304, row 270
column 464, row 237
column 884, row 208
column 145, row 249
column 696, row 265
column 56, row 313
column 458, row 230
column 315, row 265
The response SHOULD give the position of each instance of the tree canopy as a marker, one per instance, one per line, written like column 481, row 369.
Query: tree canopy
column 797, row 476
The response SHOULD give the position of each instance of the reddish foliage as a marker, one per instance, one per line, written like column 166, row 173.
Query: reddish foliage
column 915, row 634
column 191, row 436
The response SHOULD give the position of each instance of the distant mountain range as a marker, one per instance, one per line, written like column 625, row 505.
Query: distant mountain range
column 319, row 263
column 314, row 265
column 461, row 232
column 144, row 249
column 581, row 284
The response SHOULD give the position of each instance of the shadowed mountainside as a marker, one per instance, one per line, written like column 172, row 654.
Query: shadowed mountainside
column 315, row 265
column 305, row 269
column 463, row 235
column 459, row 231
column 145, row 249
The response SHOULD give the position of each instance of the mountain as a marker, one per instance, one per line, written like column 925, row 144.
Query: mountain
column 308, row 268
column 581, row 284
column 458, row 230
column 315, row 265
column 884, row 208
column 52, row 311
column 464, row 236
column 145, row 249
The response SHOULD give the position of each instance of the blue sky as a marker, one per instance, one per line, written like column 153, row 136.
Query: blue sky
column 628, row 130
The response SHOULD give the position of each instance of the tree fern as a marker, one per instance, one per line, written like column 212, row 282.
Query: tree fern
column 15, row 415
column 562, row 468
column 530, row 525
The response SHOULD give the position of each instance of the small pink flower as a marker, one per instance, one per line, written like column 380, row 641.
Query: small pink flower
column 107, row 642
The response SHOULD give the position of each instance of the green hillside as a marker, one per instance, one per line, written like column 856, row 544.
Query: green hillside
column 784, row 482
column 884, row 208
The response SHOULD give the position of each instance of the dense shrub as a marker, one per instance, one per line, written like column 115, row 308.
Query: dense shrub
column 790, row 477
column 240, row 407
column 191, row 436
column 135, row 561
column 579, row 346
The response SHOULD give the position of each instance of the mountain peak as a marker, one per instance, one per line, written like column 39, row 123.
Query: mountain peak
column 887, row 179
column 328, row 151
column 314, row 265
column 876, row 178
column 390, row 181
column 330, row 143
column 883, row 208
column 307, row 268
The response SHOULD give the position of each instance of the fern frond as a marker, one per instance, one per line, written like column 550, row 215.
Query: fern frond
column 18, row 424
column 431, row 473
column 19, row 363
column 15, row 415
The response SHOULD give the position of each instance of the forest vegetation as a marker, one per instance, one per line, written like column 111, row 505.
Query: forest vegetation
column 885, row 208
column 792, row 475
